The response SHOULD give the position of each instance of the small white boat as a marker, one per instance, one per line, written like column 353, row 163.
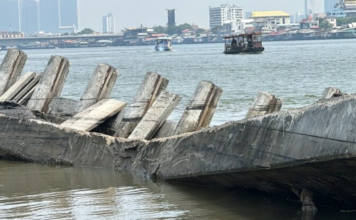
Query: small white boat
column 164, row 44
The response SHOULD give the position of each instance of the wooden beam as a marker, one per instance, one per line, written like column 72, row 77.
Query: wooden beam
column 201, row 108
column 264, row 103
column 93, row 116
column 156, row 116
column 152, row 85
column 50, row 85
column 99, row 87
column 25, row 94
column 11, row 68
column 18, row 86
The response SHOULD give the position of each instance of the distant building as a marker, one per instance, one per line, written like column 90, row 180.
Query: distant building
column 171, row 17
column 10, row 16
column 349, row 6
column 68, row 12
column 313, row 6
column 50, row 16
column 220, row 16
column 109, row 24
column 332, row 21
column 330, row 5
column 273, row 17
column 30, row 16
column 337, row 12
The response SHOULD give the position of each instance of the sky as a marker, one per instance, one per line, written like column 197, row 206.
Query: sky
column 149, row 13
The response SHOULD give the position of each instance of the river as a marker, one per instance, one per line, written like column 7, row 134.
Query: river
column 297, row 72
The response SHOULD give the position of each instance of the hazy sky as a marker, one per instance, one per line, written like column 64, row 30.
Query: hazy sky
column 132, row 13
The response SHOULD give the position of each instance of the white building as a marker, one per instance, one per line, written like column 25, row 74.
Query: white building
column 314, row 7
column 109, row 24
column 225, row 14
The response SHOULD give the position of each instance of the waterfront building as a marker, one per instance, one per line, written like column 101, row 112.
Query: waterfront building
column 273, row 17
column 109, row 24
column 171, row 17
column 225, row 14
column 332, row 21
column 350, row 7
column 30, row 16
column 313, row 6
column 10, row 15
column 330, row 5
column 49, row 16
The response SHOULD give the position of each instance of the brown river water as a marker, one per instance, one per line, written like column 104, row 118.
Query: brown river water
column 296, row 71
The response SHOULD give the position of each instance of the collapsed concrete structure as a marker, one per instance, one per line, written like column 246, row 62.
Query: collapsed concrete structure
column 307, row 153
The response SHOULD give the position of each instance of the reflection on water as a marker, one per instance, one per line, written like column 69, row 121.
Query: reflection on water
column 32, row 191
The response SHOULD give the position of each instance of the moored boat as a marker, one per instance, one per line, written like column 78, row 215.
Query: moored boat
column 244, row 43
column 163, row 44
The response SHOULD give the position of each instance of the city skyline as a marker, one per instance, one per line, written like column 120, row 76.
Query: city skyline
column 136, row 13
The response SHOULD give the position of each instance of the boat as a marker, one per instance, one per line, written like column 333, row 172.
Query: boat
column 244, row 43
column 163, row 44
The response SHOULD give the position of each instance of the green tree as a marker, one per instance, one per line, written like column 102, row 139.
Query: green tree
column 199, row 32
column 347, row 20
column 323, row 23
column 160, row 29
column 215, row 30
column 86, row 31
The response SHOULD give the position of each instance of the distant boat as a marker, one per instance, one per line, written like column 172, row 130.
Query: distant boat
column 244, row 43
column 163, row 44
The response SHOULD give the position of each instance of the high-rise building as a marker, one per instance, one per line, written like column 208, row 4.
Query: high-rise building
column 49, row 15
column 109, row 24
column 10, row 15
column 224, row 14
column 314, row 7
column 68, row 13
column 171, row 17
column 30, row 16
column 330, row 4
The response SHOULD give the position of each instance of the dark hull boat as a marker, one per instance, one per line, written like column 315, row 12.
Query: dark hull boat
column 244, row 43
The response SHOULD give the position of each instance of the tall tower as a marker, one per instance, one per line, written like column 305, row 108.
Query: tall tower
column 30, row 16
column 68, row 12
column 171, row 17
column 49, row 16
column 313, row 7
column 109, row 24
column 330, row 4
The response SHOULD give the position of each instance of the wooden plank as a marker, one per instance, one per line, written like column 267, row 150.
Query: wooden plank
column 99, row 87
column 152, row 85
column 27, row 91
column 211, row 107
column 18, row 86
column 156, row 116
column 264, row 103
column 51, row 84
column 11, row 68
column 193, row 116
column 91, row 117
column 167, row 129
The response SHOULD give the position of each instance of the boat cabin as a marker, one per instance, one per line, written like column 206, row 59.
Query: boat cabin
column 163, row 44
column 244, row 43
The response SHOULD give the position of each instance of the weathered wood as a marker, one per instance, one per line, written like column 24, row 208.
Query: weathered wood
column 91, row 117
column 201, row 108
column 51, row 84
column 99, row 87
column 167, row 129
column 152, row 85
column 11, row 68
column 156, row 116
column 18, row 86
column 62, row 107
column 331, row 92
column 265, row 103
column 26, row 93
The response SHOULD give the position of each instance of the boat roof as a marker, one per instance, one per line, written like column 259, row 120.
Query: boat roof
column 241, row 35
column 164, row 38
